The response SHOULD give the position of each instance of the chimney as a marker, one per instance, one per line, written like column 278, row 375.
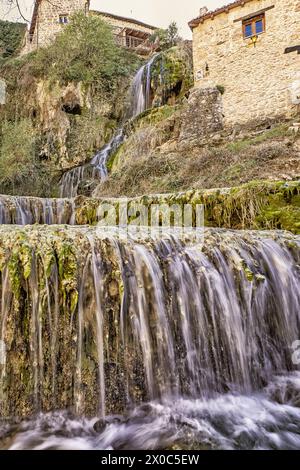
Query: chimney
column 203, row 11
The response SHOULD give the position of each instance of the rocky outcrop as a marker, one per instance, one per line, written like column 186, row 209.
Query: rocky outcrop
column 73, row 121
column 201, row 117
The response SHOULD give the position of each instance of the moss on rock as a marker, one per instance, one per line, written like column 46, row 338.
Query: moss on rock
column 256, row 205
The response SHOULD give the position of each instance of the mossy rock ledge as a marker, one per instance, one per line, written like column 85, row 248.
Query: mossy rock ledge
column 258, row 205
column 69, row 313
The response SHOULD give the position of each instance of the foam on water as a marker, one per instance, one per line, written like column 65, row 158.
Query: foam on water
column 226, row 421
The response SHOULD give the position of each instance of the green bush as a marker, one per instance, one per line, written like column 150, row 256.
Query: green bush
column 86, row 52
column 221, row 89
column 21, row 172
column 11, row 38
column 166, row 38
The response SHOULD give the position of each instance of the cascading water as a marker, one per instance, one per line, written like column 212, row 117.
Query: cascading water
column 21, row 210
column 141, row 89
column 99, row 325
column 96, row 169
column 140, row 100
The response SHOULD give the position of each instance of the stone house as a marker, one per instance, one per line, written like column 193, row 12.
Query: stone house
column 129, row 33
column 250, row 50
column 49, row 18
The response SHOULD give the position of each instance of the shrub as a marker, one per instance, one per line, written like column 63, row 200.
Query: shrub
column 11, row 37
column 21, row 172
column 166, row 38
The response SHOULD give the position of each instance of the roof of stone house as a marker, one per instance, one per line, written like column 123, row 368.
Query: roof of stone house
column 124, row 18
column 211, row 14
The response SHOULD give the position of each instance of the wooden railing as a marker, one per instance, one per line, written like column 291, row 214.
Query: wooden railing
column 130, row 42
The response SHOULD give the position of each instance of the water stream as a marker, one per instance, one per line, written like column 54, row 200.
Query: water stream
column 140, row 100
column 23, row 210
column 109, row 342
column 164, row 341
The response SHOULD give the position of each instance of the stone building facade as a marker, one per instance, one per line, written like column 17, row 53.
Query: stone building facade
column 50, row 17
column 250, row 50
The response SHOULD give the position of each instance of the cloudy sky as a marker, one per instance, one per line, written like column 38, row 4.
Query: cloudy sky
column 157, row 12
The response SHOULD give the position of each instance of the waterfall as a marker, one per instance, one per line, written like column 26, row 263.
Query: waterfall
column 109, row 342
column 101, row 324
column 141, row 89
column 140, row 100
column 96, row 169
column 22, row 210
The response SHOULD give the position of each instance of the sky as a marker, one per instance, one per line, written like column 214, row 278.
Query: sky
column 156, row 12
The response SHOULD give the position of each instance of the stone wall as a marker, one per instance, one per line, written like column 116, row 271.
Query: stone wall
column 48, row 25
column 261, row 81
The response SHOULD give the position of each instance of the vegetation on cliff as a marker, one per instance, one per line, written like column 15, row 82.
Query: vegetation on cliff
column 71, row 95
column 58, row 282
column 258, row 205
column 154, row 160
column 11, row 39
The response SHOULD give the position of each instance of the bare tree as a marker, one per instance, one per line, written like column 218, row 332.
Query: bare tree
column 16, row 5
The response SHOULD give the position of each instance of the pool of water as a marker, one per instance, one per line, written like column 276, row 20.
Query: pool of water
column 266, row 420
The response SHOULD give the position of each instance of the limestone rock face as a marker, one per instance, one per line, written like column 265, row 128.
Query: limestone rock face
column 202, row 116
column 71, row 121
column 74, row 122
column 172, row 75
column 295, row 91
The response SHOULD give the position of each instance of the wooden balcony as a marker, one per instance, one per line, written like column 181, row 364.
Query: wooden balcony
column 134, row 40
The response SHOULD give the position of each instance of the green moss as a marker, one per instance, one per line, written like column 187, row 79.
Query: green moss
column 94, row 57
column 281, row 217
column 67, row 268
column 154, row 116
column 25, row 254
column 275, row 132
column 87, row 212
column 114, row 158
column 255, row 205
column 248, row 273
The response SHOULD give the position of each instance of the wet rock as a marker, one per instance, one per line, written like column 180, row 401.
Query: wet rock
column 100, row 426
column 86, row 188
